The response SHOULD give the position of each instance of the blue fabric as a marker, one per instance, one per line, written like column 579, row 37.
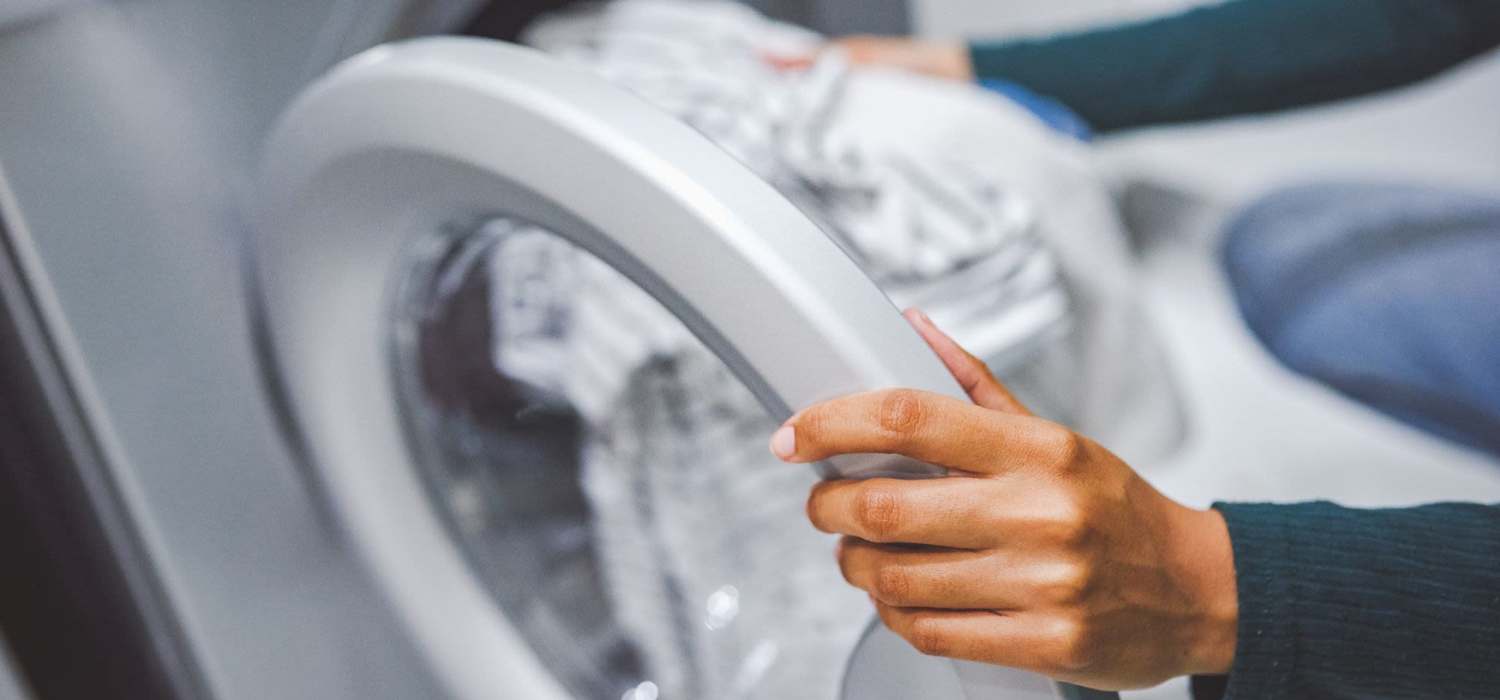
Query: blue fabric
column 1055, row 114
column 1389, row 294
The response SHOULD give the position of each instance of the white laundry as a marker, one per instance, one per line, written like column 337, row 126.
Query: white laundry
column 952, row 198
column 912, row 215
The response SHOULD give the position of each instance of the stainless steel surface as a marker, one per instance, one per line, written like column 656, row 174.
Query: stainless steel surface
column 126, row 130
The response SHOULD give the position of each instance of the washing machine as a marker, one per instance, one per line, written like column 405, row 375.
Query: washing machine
column 254, row 442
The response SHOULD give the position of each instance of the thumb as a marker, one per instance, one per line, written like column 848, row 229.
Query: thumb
column 971, row 372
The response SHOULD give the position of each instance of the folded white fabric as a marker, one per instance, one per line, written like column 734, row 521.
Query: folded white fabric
column 952, row 198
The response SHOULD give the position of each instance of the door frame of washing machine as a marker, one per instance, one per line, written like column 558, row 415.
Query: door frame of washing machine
column 85, row 615
column 406, row 139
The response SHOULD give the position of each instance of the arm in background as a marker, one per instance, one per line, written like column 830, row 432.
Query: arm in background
column 1243, row 56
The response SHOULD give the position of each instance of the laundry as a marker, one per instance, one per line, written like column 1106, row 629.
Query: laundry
column 687, row 501
column 925, row 222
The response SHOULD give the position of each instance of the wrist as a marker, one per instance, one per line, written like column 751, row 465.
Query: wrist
column 957, row 63
column 1204, row 565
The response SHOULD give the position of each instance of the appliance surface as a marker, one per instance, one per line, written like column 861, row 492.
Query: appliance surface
column 240, row 521
column 127, row 131
column 396, row 143
column 399, row 141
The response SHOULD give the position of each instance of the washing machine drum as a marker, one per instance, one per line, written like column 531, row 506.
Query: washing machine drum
column 531, row 335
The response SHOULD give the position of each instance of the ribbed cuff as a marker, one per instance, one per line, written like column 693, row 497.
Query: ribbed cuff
column 1265, row 655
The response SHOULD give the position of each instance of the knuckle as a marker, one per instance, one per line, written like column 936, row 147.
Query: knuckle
column 1075, row 648
column 928, row 637
column 877, row 511
column 1065, row 448
column 1072, row 526
column 1071, row 584
column 893, row 584
column 901, row 414
column 1077, row 533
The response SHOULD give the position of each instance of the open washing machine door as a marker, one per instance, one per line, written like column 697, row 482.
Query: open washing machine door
column 389, row 189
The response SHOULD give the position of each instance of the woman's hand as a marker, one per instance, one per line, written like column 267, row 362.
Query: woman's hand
column 1044, row 552
column 936, row 58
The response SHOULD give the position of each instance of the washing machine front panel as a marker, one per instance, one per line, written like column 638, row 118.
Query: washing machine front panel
column 127, row 135
column 425, row 140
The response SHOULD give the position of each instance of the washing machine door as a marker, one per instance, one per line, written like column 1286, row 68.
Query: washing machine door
column 441, row 225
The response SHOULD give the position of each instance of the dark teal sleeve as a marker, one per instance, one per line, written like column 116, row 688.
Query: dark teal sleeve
column 1244, row 56
column 1341, row 602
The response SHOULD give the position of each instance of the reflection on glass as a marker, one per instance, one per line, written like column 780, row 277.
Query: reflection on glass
column 608, row 478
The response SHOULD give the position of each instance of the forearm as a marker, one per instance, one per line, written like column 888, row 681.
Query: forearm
column 1244, row 56
column 1365, row 603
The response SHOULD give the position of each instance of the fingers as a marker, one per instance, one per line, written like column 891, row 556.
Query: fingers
column 948, row 512
column 957, row 512
column 908, row 577
column 794, row 62
column 971, row 372
column 924, row 426
column 857, row 48
column 991, row 637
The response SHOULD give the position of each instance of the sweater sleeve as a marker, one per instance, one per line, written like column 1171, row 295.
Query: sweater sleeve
column 1339, row 602
column 1244, row 56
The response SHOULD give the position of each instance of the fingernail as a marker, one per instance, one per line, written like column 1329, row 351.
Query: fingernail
column 921, row 315
column 784, row 442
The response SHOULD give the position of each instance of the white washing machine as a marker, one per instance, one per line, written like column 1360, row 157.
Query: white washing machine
column 255, row 444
